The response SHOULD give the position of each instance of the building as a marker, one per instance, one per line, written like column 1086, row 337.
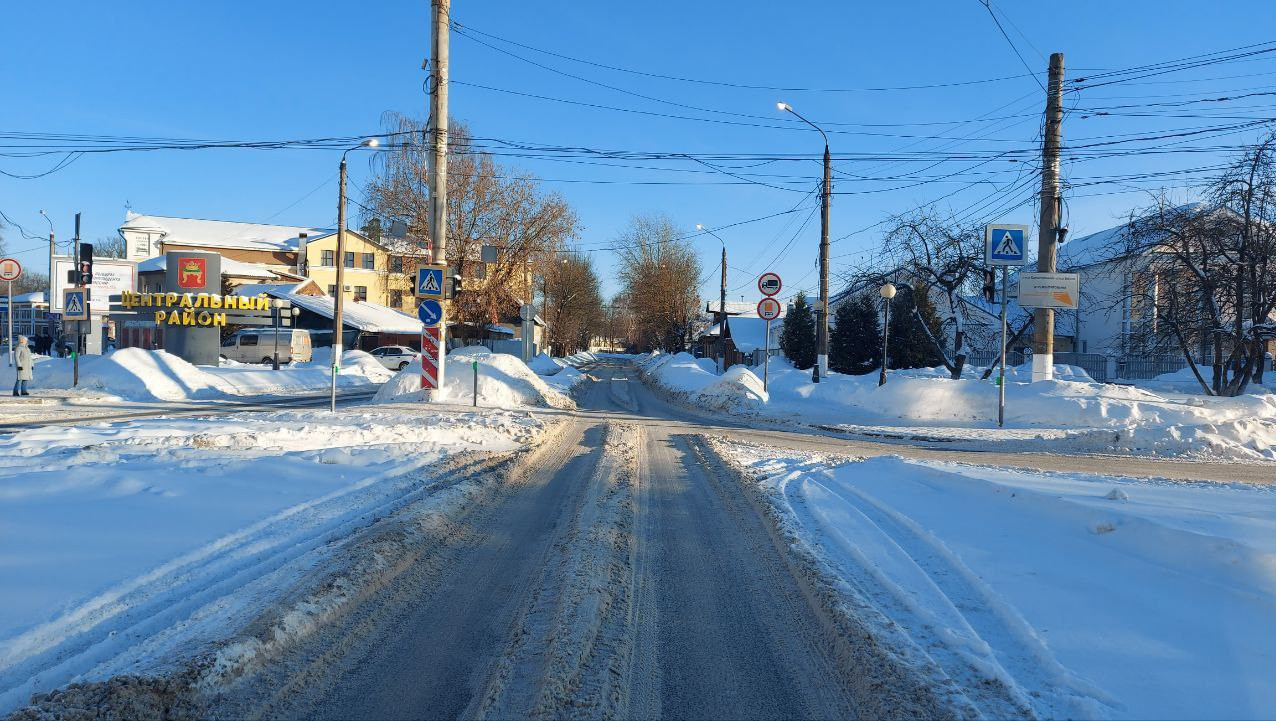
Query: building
column 373, row 273
column 365, row 325
column 30, row 316
column 744, row 337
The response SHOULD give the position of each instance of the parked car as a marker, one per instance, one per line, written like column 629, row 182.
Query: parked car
column 258, row 345
column 395, row 357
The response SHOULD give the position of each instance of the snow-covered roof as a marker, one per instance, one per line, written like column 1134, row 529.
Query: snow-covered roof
column 749, row 334
column 1014, row 313
column 1104, row 245
column 36, row 297
column 221, row 233
column 272, row 288
column 368, row 317
column 229, row 267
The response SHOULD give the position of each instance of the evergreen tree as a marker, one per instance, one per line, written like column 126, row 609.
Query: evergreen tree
column 797, row 338
column 909, row 347
column 855, row 345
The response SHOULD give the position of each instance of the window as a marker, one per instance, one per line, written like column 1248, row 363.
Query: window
column 396, row 264
column 329, row 259
column 378, row 351
column 247, row 340
column 348, row 261
column 332, row 289
column 229, row 342
column 361, row 292
column 369, row 261
column 396, row 298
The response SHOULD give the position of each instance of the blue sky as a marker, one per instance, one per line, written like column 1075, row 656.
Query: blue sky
column 291, row 69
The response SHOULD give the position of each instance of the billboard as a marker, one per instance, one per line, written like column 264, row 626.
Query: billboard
column 1049, row 290
column 111, row 276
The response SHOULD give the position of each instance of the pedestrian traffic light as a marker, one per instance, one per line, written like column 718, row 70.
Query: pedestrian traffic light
column 86, row 264
column 454, row 287
column 990, row 285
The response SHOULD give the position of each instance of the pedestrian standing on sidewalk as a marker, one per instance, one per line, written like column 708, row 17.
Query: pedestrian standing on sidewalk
column 22, row 357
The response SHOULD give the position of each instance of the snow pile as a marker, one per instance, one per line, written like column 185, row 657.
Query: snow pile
column 504, row 381
column 154, row 375
column 565, row 380
column 696, row 382
column 127, row 544
column 544, row 365
column 1084, row 596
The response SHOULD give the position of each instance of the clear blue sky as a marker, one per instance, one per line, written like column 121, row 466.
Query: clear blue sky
column 290, row 69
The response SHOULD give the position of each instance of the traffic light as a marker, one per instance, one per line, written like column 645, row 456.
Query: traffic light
column 86, row 264
column 990, row 285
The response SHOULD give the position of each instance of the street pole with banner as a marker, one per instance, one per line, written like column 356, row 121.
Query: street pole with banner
column 1004, row 246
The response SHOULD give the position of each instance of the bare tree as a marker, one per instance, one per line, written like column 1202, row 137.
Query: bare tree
column 109, row 246
column 660, row 274
column 488, row 204
column 573, row 305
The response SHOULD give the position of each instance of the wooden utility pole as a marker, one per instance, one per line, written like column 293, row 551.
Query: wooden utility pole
column 1048, row 228
column 822, row 329
column 440, row 17
column 722, row 314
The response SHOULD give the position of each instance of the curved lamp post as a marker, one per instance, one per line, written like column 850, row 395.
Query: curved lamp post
column 341, row 264
column 887, row 292
column 821, row 369
column 722, row 302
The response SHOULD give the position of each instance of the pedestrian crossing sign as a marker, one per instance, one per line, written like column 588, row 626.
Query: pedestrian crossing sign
column 76, row 303
column 1005, row 244
column 429, row 282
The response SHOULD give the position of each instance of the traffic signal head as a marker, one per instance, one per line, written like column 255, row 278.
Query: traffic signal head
column 990, row 285
column 86, row 264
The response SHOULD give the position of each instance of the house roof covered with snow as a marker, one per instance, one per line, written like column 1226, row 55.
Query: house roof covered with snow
column 749, row 334
column 305, row 287
column 229, row 267
column 220, row 233
column 364, row 316
column 1105, row 245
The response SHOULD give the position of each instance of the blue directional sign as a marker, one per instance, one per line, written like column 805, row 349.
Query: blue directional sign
column 76, row 304
column 429, row 282
column 430, row 312
column 1005, row 244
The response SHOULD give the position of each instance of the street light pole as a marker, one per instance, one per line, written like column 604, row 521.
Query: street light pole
column 821, row 369
column 721, row 346
column 338, row 301
column 53, row 337
column 887, row 292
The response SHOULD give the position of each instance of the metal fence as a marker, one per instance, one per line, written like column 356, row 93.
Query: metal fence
column 1145, row 367
column 1094, row 364
column 984, row 359
column 1102, row 368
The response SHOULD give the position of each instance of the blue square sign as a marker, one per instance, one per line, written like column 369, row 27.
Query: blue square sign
column 1006, row 244
column 429, row 282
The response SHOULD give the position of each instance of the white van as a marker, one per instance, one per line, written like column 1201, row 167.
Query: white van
column 258, row 346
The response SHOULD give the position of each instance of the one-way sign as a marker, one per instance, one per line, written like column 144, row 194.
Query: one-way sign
column 1005, row 244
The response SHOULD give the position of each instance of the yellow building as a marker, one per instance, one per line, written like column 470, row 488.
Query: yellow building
column 371, row 273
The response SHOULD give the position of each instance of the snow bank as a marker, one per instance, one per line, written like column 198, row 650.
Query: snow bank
column 1086, row 596
column 505, row 381
column 695, row 381
column 545, row 366
column 126, row 543
column 151, row 375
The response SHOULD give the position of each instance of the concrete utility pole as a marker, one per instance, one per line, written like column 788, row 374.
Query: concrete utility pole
column 1048, row 227
column 75, row 352
column 55, row 338
column 722, row 314
column 338, row 300
column 440, row 12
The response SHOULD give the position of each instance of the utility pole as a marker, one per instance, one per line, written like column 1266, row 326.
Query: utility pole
column 440, row 16
column 1048, row 227
column 722, row 314
column 338, row 301
column 55, row 338
column 822, row 323
column 75, row 352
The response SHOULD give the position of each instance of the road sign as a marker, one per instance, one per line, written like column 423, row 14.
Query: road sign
column 430, row 344
column 769, row 284
column 769, row 309
column 527, row 311
column 430, row 312
column 1049, row 290
column 1005, row 244
column 76, row 304
column 10, row 269
column 429, row 281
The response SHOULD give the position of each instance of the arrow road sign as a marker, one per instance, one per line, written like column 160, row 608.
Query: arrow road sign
column 769, row 284
column 429, row 282
column 769, row 309
column 76, row 303
column 430, row 312
column 1005, row 244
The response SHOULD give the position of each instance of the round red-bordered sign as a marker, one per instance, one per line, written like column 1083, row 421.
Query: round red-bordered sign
column 769, row 283
column 10, row 269
column 768, row 309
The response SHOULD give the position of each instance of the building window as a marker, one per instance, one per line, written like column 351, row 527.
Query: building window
column 396, row 298
column 349, row 259
column 361, row 293
column 332, row 289
column 396, row 264
column 369, row 261
column 329, row 259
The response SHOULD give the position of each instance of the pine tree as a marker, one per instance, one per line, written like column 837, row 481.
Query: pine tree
column 855, row 345
column 909, row 347
column 797, row 339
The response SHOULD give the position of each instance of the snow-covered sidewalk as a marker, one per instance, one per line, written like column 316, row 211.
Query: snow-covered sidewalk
column 126, row 543
column 1067, row 595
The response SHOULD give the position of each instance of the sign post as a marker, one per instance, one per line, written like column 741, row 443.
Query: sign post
column 768, row 310
column 474, row 365
column 429, row 286
column 1004, row 246
column 10, row 270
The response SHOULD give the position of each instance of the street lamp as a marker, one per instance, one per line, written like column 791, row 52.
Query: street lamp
column 821, row 369
column 721, row 346
column 341, row 264
column 887, row 292
column 53, row 337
